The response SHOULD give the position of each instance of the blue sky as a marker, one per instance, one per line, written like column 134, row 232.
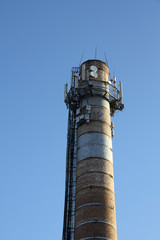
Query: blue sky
column 39, row 43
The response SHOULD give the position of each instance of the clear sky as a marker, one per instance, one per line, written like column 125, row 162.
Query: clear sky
column 40, row 40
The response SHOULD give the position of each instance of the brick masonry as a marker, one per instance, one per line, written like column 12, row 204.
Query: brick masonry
column 95, row 202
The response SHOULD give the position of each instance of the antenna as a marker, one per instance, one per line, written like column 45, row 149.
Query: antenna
column 106, row 58
column 120, row 91
column 114, row 71
column 96, row 52
column 81, row 58
column 107, row 64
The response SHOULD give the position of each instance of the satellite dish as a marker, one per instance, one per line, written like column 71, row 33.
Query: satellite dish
column 94, row 68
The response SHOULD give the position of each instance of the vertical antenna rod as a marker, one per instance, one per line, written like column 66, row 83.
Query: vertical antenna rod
column 81, row 57
column 96, row 52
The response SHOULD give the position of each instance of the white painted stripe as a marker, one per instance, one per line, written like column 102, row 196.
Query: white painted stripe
column 94, row 138
column 95, row 151
column 98, row 101
column 91, row 204
column 96, row 237
column 95, row 221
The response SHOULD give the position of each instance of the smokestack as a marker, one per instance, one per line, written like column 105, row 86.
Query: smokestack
column 89, row 199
